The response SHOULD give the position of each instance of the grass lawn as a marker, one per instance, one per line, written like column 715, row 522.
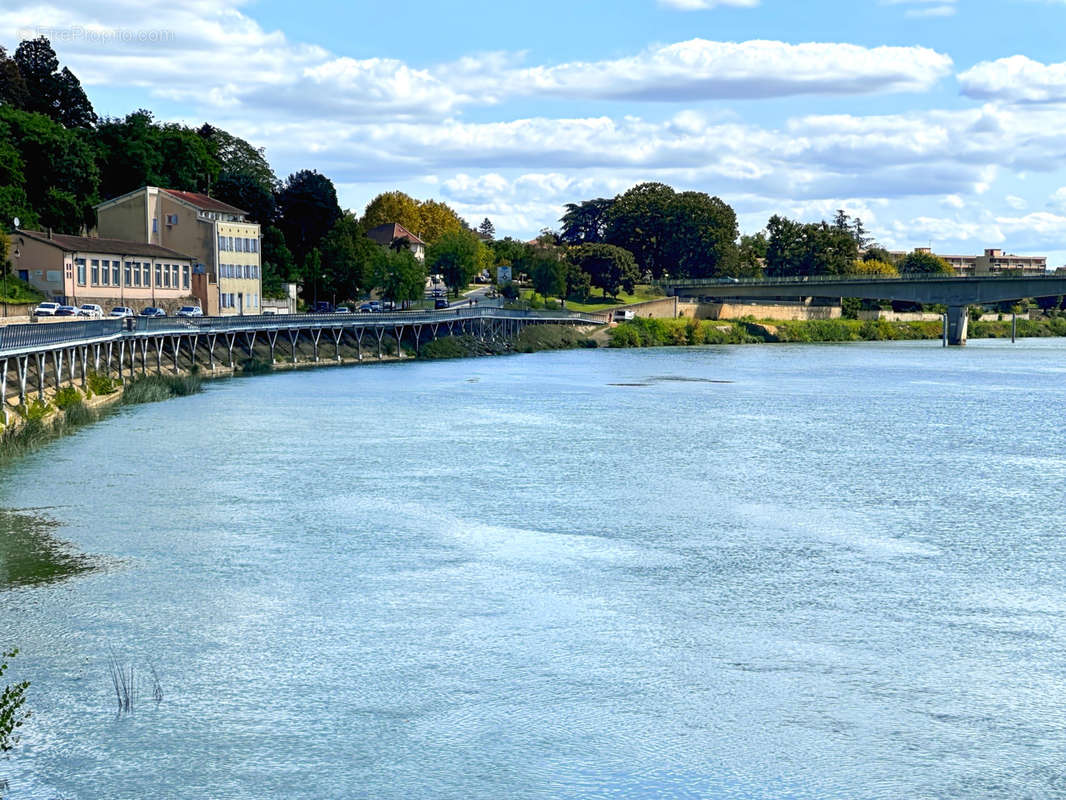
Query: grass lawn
column 13, row 290
column 597, row 303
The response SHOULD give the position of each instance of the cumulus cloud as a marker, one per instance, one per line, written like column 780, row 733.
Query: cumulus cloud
column 1017, row 79
column 699, row 69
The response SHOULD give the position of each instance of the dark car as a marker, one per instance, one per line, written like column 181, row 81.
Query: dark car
column 66, row 311
column 322, row 307
column 440, row 302
column 152, row 311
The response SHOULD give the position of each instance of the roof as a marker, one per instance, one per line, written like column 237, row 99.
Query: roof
column 203, row 202
column 87, row 244
column 386, row 234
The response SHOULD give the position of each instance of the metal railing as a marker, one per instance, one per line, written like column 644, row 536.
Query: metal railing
column 909, row 277
column 22, row 338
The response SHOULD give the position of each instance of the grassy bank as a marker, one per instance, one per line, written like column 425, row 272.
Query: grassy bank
column 687, row 332
column 532, row 339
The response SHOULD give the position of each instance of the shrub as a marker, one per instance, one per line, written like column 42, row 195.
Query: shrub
column 66, row 397
column 101, row 384
column 34, row 411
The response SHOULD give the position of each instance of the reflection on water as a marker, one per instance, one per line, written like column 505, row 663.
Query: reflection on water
column 29, row 553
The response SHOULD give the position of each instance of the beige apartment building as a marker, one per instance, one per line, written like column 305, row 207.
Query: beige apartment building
column 225, row 246
column 992, row 262
column 109, row 272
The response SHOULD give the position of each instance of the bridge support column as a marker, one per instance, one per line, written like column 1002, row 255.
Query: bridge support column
column 3, row 389
column 23, row 364
column 84, row 365
column 958, row 322
column 40, row 375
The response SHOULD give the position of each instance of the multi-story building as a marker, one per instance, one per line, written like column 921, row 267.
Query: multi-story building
column 993, row 262
column 224, row 244
column 108, row 272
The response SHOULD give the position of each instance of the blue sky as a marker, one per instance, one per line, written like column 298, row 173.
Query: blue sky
column 937, row 121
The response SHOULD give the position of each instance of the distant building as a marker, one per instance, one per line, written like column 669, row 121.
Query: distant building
column 224, row 244
column 109, row 272
column 993, row 262
column 391, row 231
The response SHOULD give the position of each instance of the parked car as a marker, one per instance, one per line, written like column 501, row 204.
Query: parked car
column 122, row 311
column 190, row 311
column 90, row 310
column 66, row 311
column 322, row 307
column 440, row 302
column 152, row 311
column 46, row 309
column 342, row 310
column 375, row 306
column 270, row 312
column 366, row 308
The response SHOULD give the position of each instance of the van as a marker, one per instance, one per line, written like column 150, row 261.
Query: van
column 623, row 315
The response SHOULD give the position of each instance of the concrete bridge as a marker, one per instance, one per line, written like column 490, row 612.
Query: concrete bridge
column 957, row 293
column 121, row 347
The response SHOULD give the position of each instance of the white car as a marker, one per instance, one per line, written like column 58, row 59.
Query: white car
column 122, row 311
column 90, row 310
column 190, row 311
column 46, row 310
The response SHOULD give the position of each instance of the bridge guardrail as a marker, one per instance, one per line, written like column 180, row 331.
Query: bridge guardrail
column 19, row 338
column 815, row 279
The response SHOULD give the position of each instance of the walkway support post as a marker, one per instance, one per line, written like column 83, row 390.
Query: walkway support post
column 1013, row 328
column 944, row 332
column 3, row 389
column 958, row 321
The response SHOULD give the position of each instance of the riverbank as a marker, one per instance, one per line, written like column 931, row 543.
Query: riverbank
column 689, row 332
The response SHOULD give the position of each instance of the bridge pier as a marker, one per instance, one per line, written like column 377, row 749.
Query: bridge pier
column 3, row 390
column 958, row 322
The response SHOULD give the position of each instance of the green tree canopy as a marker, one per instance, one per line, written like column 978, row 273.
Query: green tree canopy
column 51, row 91
column 399, row 275
column 487, row 229
column 586, row 222
column 235, row 156
column 391, row 207
column 244, row 190
column 609, row 268
column 548, row 271
column 752, row 254
column 279, row 266
column 816, row 248
column 348, row 258
column 13, row 90
column 925, row 262
column 456, row 256
column 437, row 220
column 308, row 207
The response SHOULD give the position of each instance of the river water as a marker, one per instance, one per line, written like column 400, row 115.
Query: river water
column 741, row 572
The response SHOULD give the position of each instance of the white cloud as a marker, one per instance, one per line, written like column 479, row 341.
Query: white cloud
column 918, row 9
column 699, row 69
column 1017, row 79
column 1058, row 199
column 701, row 5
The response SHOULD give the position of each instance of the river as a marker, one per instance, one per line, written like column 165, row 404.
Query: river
column 743, row 572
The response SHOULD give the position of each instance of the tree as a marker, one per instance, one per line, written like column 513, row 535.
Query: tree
column 437, row 220
column 877, row 253
column 187, row 163
column 509, row 251
column 13, row 91
column 874, row 268
column 487, row 229
column 548, row 273
column 609, row 268
column 308, row 206
column 922, row 261
column 752, row 254
column 347, row 259
column 399, row 275
column 701, row 237
column 393, row 207
column 639, row 222
column 586, row 222
column 456, row 256
column 235, row 156
column 65, row 179
column 12, row 702
column 54, row 93
column 816, row 248
column 246, row 191
column 578, row 283
column 129, row 155
column 278, row 264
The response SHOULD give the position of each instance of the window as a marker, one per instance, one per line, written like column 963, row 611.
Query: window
column 80, row 262
column 158, row 275
column 172, row 219
column 146, row 273
column 221, row 242
column 185, row 276
column 96, row 272
column 155, row 225
column 114, row 274
column 174, row 275
column 105, row 274
column 129, row 273
column 255, row 245
column 136, row 273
